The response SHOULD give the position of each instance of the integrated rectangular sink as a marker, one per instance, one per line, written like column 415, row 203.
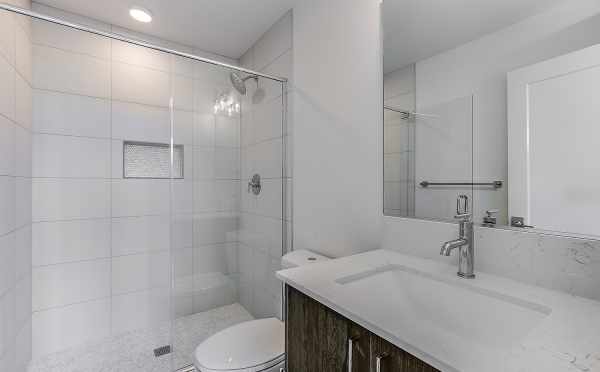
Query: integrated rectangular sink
column 451, row 310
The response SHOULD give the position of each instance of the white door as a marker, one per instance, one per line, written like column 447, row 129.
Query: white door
column 554, row 143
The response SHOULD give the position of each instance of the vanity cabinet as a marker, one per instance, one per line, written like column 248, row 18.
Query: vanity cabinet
column 320, row 340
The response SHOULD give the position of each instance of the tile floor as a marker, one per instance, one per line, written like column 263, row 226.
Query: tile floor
column 133, row 351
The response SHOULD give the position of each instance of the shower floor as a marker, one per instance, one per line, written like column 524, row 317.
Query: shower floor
column 133, row 351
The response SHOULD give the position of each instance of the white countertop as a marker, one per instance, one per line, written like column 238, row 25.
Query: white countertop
column 567, row 338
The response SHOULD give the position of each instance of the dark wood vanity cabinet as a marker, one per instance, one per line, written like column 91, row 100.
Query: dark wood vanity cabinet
column 320, row 340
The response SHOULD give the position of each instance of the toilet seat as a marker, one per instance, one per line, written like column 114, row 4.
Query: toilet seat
column 251, row 346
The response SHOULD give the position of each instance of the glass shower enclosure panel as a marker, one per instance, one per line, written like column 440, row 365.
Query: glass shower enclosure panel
column 228, row 210
column 158, row 199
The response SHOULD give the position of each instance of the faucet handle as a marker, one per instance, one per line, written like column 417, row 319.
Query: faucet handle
column 462, row 207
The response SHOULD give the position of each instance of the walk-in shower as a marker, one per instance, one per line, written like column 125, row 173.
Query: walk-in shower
column 145, row 237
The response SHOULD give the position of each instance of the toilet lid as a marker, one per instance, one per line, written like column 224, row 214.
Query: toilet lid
column 249, row 346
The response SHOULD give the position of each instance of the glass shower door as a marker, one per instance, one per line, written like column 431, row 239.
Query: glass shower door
column 227, row 241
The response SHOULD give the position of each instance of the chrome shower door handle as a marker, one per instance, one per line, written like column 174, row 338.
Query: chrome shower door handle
column 378, row 360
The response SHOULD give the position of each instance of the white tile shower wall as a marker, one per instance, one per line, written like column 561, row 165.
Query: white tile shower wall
column 101, row 257
column 15, row 191
column 262, row 138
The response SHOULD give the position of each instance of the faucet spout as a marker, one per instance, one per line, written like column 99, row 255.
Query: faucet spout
column 448, row 247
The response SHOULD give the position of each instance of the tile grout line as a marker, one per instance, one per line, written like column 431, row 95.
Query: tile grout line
column 110, row 198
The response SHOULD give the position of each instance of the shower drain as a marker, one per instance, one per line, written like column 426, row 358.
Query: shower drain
column 163, row 350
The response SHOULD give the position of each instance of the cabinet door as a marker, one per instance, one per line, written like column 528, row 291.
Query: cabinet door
column 394, row 359
column 316, row 337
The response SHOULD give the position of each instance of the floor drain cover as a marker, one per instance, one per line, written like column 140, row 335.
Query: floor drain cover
column 163, row 350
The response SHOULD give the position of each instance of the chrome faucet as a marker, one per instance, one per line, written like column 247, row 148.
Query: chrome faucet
column 465, row 241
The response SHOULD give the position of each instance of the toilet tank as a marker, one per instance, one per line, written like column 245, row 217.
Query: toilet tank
column 300, row 257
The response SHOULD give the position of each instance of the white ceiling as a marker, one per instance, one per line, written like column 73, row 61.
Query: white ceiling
column 225, row 27
column 418, row 29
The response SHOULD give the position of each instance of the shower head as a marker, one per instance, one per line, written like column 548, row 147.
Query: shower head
column 239, row 83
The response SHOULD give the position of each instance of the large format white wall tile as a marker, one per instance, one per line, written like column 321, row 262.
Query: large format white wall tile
column 23, row 53
column 183, row 231
column 140, row 197
column 136, row 122
column 138, row 272
column 203, row 163
column 7, row 317
column 267, row 159
column 183, row 127
column 7, row 259
column 61, row 37
column 61, row 156
column 23, row 152
column 7, row 204
column 227, row 131
column 23, row 102
column 211, row 258
column 68, row 241
column 263, row 233
column 269, row 201
column 212, row 228
column 140, row 234
column 219, row 195
column 69, row 114
column 267, row 122
column 7, row 93
column 183, row 93
column 23, row 347
column 23, row 298
column 23, row 252
column 140, row 56
column 145, row 309
column 7, row 36
column 182, row 197
column 204, row 130
column 7, row 147
column 62, row 199
column 69, row 283
column 22, row 201
column 139, row 84
column 227, row 163
column 62, row 71
column 57, row 329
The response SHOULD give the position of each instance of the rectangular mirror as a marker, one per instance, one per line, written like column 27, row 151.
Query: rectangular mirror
column 495, row 101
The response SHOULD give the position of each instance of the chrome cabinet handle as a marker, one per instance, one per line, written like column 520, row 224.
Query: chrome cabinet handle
column 378, row 360
column 350, row 348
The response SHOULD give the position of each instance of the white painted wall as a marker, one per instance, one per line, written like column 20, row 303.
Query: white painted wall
column 337, row 118
column 15, row 190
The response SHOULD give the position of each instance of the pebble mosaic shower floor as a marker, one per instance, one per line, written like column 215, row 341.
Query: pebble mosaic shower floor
column 133, row 351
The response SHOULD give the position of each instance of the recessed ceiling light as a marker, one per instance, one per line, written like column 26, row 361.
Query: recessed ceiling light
column 140, row 14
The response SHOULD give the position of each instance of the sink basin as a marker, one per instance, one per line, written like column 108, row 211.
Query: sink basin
column 453, row 312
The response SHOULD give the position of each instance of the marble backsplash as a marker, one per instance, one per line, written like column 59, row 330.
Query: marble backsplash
column 570, row 265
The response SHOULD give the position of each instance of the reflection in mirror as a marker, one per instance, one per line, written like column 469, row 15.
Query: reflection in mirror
column 502, row 96
column 427, row 150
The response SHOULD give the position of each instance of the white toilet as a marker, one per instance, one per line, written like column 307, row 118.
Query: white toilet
column 252, row 346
